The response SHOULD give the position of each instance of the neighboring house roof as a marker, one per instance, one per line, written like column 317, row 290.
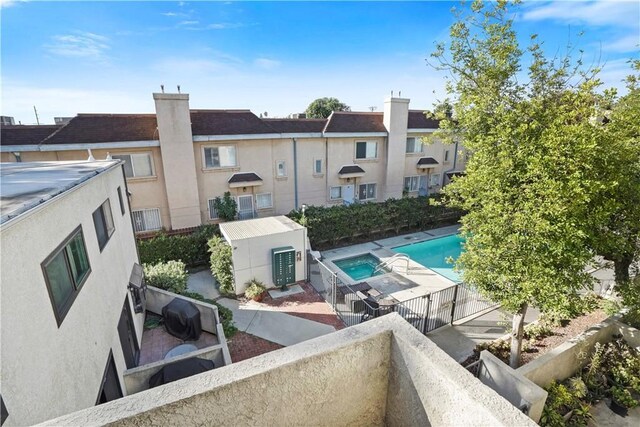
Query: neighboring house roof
column 345, row 170
column 297, row 125
column 418, row 120
column 427, row 161
column 227, row 122
column 97, row 128
column 25, row 134
column 244, row 177
column 351, row 122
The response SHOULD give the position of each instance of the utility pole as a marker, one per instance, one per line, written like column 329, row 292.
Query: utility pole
column 36, row 111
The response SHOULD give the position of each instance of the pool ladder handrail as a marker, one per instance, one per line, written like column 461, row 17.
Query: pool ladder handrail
column 396, row 257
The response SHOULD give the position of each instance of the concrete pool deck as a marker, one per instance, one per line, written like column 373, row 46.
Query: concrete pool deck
column 405, row 281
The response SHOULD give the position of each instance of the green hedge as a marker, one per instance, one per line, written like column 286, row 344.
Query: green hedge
column 171, row 276
column 190, row 249
column 222, row 264
column 329, row 226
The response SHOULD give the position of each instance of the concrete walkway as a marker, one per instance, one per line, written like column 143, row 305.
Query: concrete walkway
column 203, row 283
column 274, row 326
column 458, row 341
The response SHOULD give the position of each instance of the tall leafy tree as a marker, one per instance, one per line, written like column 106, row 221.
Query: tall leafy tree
column 322, row 108
column 528, row 185
column 616, row 220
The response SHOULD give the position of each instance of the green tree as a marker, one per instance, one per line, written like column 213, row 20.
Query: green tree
column 226, row 207
column 322, row 108
column 528, row 184
column 616, row 220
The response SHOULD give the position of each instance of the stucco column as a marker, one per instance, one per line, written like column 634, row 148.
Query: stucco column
column 176, row 146
column 396, row 117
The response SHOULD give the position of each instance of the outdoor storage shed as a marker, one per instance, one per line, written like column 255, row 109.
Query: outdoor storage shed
column 257, row 243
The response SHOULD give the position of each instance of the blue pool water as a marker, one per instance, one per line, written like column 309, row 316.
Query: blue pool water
column 434, row 253
column 360, row 267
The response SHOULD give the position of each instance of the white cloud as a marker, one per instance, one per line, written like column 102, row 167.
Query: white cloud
column 9, row 3
column 80, row 44
column 628, row 43
column 266, row 63
column 597, row 12
column 225, row 25
column 614, row 73
column 188, row 23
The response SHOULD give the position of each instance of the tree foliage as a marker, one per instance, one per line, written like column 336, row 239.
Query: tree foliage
column 222, row 264
column 226, row 206
column 322, row 108
column 528, row 187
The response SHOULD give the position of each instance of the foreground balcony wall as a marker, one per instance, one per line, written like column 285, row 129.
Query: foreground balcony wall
column 382, row 372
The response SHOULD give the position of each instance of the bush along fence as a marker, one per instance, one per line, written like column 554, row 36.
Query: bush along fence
column 192, row 249
column 330, row 226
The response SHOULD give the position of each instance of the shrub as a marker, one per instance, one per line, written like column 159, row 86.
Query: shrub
column 170, row 276
column 191, row 248
column 226, row 315
column 330, row 225
column 226, row 207
column 254, row 289
column 222, row 264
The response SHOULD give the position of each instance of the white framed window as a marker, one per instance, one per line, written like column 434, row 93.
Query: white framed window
column 146, row 220
column 281, row 169
column 223, row 156
column 366, row 150
column 414, row 145
column 136, row 165
column 366, row 191
column 435, row 180
column 335, row 193
column 446, row 155
column 213, row 212
column 264, row 201
column 411, row 183
column 317, row 167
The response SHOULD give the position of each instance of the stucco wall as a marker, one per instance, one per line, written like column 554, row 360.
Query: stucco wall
column 396, row 112
column 252, row 257
column 49, row 370
column 137, row 379
column 382, row 372
column 512, row 385
column 564, row 361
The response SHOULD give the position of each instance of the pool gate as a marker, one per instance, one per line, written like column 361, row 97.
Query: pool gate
column 356, row 303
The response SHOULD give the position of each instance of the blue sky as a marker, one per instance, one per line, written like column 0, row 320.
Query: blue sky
column 70, row 57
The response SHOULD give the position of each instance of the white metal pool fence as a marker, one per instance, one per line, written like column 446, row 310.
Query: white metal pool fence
column 356, row 304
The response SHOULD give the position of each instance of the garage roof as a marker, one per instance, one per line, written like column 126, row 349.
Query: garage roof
column 239, row 230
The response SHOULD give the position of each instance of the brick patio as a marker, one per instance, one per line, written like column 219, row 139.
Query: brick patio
column 245, row 346
column 308, row 305
column 156, row 343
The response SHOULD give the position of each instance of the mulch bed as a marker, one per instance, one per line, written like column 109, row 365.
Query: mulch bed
column 560, row 334
column 244, row 346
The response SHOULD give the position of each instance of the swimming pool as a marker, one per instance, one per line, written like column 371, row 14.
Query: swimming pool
column 434, row 253
column 360, row 267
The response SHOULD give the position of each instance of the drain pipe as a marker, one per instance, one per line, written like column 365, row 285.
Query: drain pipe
column 295, row 173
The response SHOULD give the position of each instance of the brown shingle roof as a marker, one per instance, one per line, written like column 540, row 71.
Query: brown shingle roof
column 25, row 135
column 342, row 121
column 350, row 169
column 96, row 128
column 297, row 125
column 417, row 120
column 244, row 177
column 427, row 161
column 227, row 122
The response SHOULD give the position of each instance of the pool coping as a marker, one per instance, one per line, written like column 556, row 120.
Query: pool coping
column 427, row 281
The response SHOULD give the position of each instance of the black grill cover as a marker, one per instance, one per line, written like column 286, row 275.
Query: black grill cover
column 177, row 370
column 182, row 319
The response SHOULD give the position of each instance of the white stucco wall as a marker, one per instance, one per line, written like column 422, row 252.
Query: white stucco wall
column 48, row 370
